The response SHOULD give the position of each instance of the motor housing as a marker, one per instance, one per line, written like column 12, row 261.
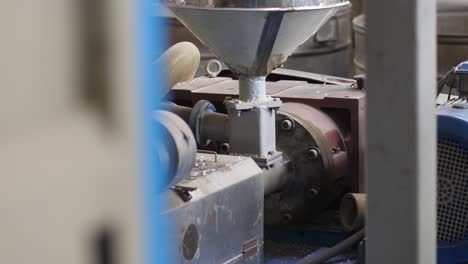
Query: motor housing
column 452, row 177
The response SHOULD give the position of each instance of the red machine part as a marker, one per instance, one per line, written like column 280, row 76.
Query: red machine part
column 314, row 148
column 343, row 104
column 325, row 133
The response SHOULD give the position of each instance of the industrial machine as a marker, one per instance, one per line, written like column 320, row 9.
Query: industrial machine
column 260, row 153
column 262, row 164
column 276, row 148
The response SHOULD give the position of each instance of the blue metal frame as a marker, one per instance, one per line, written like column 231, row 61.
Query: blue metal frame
column 452, row 253
column 453, row 125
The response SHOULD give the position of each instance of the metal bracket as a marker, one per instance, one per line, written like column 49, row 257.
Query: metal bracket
column 184, row 192
column 267, row 162
column 239, row 105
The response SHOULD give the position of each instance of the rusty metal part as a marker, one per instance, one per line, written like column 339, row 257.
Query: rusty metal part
column 343, row 103
column 353, row 211
column 317, row 153
column 325, row 132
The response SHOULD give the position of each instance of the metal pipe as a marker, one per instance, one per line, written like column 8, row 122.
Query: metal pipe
column 322, row 257
column 213, row 126
column 353, row 211
column 252, row 88
column 182, row 111
column 274, row 178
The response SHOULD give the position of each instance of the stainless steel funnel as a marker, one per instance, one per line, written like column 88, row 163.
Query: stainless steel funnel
column 253, row 37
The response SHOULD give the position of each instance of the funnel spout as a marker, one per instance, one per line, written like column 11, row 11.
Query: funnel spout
column 252, row 88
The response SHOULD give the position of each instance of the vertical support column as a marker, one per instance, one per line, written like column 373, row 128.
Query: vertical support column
column 401, row 147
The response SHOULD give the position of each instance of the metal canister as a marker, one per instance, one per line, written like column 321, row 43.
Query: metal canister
column 452, row 36
column 328, row 52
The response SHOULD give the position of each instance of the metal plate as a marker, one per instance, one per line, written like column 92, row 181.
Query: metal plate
column 346, row 106
column 317, row 152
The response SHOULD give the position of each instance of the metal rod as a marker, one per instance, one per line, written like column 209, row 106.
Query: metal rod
column 327, row 254
column 401, row 143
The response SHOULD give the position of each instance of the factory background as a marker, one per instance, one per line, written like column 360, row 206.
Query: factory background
column 220, row 131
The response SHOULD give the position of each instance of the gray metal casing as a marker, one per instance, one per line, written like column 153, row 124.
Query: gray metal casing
column 252, row 128
column 226, row 208
column 253, row 42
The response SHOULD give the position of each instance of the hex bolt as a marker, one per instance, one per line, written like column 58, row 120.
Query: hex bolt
column 287, row 124
column 313, row 153
column 312, row 193
column 287, row 217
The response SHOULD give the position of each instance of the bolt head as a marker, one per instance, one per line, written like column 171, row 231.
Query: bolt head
column 312, row 193
column 287, row 124
column 313, row 153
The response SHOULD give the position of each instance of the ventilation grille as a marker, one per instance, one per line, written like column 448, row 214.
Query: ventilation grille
column 190, row 242
column 452, row 209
